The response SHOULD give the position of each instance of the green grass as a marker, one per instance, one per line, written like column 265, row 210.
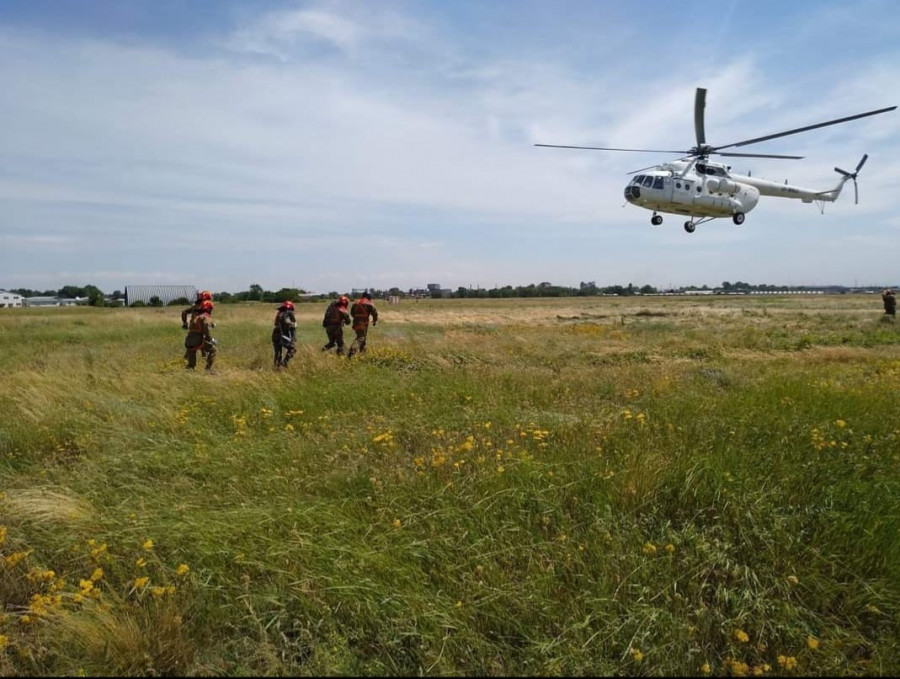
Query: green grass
column 585, row 487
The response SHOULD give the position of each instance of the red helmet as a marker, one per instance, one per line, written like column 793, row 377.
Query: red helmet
column 206, row 306
column 205, row 295
column 343, row 300
column 288, row 305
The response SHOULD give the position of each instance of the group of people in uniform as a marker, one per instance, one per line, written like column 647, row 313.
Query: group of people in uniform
column 196, row 319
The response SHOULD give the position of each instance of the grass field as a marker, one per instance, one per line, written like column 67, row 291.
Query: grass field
column 637, row 486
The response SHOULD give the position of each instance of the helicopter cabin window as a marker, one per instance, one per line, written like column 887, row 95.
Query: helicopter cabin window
column 648, row 181
column 657, row 182
column 638, row 180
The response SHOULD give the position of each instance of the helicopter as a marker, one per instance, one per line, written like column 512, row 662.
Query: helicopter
column 703, row 190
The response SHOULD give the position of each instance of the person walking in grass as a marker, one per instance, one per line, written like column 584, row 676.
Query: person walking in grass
column 199, row 337
column 194, row 309
column 336, row 317
column 362, row 312
column 890, row 303
column 284, row 334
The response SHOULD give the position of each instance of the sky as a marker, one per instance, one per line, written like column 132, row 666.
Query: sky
column 330, row 145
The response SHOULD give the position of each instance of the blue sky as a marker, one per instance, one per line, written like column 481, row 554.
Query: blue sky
column 332, row 145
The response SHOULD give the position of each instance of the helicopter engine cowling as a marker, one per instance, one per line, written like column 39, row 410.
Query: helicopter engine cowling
column 726, row 186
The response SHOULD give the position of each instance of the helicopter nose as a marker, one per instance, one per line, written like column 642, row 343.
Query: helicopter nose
column 632, row 193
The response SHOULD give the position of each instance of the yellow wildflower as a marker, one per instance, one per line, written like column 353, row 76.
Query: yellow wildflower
column 741, row 635
column 787, row 662
column 97, row 574
column 840, row 424
column 636, row 654
column 649, row 549
column 705, row 668
column 148, row 544
column 140, row 583
column 86, row 586
column 2, row 535
column 182, row 569
column 4, row 640
column 140, row 563
column 812, row 642
column 738, row 668
column 793, row 579
column 15, row 558
column 670, row 548
column 397, row 523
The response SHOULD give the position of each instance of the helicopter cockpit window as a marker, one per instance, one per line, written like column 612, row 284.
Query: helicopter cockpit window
column 638, row 180
column 657, row 182
column 648, row 181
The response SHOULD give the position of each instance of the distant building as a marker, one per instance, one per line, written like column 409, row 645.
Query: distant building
column 10, row 299
column 165, row 293
column 42, row 301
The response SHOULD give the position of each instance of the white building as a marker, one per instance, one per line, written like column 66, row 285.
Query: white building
column 10, row 299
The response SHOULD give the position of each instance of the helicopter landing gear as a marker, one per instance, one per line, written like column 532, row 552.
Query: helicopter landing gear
column 738, row 218
column 689, row 227
column 656, row 220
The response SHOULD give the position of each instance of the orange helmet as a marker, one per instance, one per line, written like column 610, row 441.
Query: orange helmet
column 343, row 300
column 206, row 306
column 288, row 305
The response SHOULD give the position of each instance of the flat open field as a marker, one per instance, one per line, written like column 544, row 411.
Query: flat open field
column 636, row 486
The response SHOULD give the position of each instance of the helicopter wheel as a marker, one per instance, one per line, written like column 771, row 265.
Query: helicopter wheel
column 656, row 220
column 689, row 227
column 738, row 218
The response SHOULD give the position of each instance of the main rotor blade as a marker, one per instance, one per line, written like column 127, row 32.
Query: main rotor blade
column 603, row 148
column 806, row 128
column 861, row 163
column 757, row 155
column 699, row 106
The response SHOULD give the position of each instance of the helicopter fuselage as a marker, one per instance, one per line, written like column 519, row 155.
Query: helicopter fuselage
column 693, row 189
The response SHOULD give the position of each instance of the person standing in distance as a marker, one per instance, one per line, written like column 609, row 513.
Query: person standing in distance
column 336, row 317
column 362, row 312
column 890, row 303
column 200, row 338
column 284, row 334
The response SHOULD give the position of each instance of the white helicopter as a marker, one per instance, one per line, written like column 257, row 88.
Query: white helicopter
column 704, row 191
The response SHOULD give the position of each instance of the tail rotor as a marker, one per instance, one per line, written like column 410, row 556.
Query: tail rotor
column 853, row 175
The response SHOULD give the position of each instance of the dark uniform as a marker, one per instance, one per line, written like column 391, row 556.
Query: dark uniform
column 189, row 313
column 890, row 303
column 362, row 311
column 200, row 337
column 284, row 335
column 336, row 317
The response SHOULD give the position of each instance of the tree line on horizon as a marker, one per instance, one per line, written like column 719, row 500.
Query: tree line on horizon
column 256, row 293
